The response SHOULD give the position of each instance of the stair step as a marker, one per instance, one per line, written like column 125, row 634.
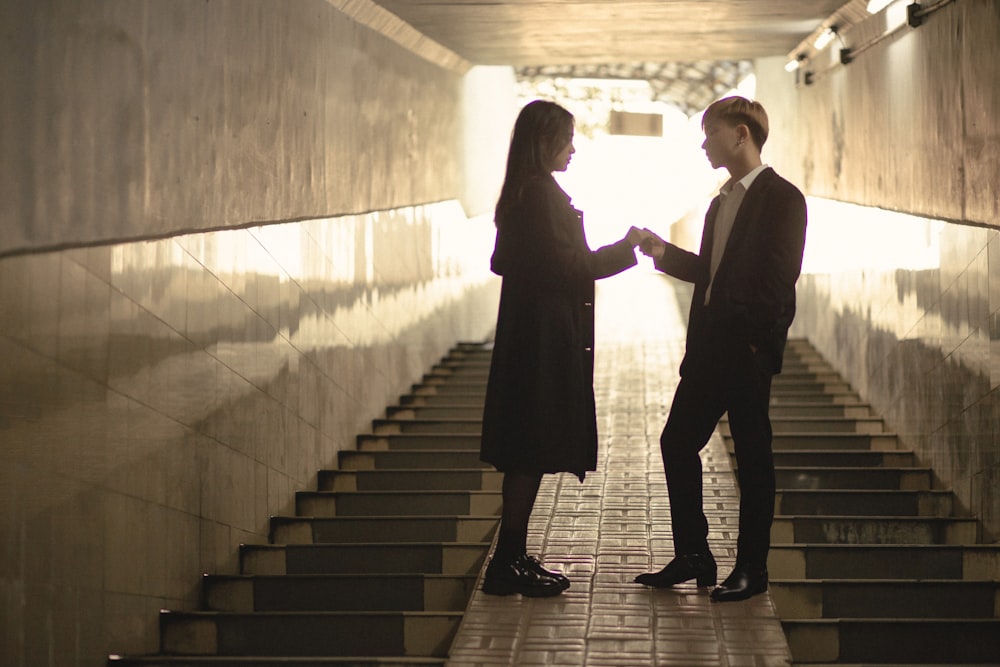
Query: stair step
column 470, row 351
column 815, row 364
column 445, row 479
column 779, row 398
column 806, row 389
column 457, row 558
column 848, row 441
column 397, row 459
column 782, row 386
column 800, row 347
column 401, row 592
column 427, row 426
column 805, row 374
column 478, row 376
column 401, row 503
column 797, row 363
column 866, row 425
column 464, row 365
column 444, row 412
column 896, row 664
column 472, row 348
column 889, row 561
column 820, row 410
column 896, row 598
column 865, row 502
column 946, row 641
column 469, row 377
column 483, row 353
column 833, row 458
column 444, row 440
column 852, row 477
column 435, row 400
column 456, row 388
column 308, row 633
column 480, row 359
column 271, row 661
column 346, row 530
column 465, row 377
column 873, row 530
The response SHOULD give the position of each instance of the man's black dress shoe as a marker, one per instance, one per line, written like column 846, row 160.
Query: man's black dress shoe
column 520, row 576
column 683, row 568
column 540, row 569
column 743, row 582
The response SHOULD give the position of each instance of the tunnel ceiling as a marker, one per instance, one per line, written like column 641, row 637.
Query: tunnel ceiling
column 690, row 50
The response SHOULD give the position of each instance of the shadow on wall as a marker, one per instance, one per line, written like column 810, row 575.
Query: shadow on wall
column 162, row 399
column 910, row 317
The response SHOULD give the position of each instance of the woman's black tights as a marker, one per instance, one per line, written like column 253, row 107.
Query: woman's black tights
column 519, row 492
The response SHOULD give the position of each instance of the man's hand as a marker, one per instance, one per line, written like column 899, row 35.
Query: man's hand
column 652, row 245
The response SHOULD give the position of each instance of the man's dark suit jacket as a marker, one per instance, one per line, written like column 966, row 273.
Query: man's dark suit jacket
column 753, row 296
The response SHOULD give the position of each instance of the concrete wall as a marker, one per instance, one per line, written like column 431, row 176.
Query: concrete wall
column 910, row 309
column 911, row 125
column 489, row 119
column 163, row 393
column 126, row 118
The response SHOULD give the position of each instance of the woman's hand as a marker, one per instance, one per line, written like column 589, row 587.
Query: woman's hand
column 651, row 245
column 638, row 237
column 635, row 236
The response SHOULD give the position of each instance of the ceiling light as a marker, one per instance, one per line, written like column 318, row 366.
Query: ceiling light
column 875, row 6
column 825, row 38
column 896, row 16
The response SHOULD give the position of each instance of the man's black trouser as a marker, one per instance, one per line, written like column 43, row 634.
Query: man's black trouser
column 733, row 382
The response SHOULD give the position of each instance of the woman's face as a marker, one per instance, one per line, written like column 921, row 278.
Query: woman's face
column 562, row 157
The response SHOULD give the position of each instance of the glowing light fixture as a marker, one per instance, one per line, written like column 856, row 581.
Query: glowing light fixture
column 793, row 65
column 896, row 16
column 875, row 6
column 824, row 39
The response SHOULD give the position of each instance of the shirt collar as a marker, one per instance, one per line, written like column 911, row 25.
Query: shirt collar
column 744, row 182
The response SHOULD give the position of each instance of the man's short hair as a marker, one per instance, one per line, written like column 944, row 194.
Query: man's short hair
column 739, row 111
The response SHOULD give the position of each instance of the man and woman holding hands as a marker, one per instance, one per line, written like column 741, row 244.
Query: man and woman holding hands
column 540, row 416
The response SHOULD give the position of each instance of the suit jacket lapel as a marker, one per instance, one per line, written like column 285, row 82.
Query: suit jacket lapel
column 748, row 212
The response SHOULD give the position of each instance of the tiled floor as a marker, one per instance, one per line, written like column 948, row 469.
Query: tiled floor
column 616, row 525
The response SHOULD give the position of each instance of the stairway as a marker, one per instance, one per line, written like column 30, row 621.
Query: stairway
column 871, row 563
column 377, row 565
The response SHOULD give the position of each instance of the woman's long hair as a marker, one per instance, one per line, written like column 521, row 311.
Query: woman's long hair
column 542, row 129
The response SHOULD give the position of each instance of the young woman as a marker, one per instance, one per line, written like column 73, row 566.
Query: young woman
column 539, row 415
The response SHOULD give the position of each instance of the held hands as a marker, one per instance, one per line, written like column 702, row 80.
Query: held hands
column 650, row 244
column 635, row 236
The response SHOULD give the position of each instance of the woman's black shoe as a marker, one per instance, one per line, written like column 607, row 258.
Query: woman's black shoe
column 540, row 569
column 520, row 576
column 683, row 568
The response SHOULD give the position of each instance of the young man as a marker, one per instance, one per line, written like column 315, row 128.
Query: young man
column 743, row 303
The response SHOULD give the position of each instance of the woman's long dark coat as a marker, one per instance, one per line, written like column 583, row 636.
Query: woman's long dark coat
column 539, row 413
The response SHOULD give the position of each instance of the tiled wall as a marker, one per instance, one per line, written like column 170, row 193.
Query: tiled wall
column 909, row 310
column 159, row 400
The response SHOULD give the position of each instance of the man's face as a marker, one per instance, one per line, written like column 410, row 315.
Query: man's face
column 721, row 142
